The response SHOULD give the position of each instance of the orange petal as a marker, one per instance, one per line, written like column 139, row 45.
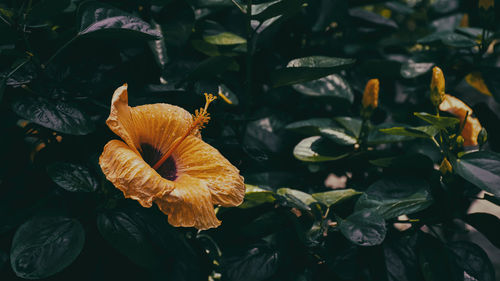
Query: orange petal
column 471, row 131
column 472, row 127
column 455, row 106
column 189, row 204
column 132, row 175
column 197, row 159
column 157, row 125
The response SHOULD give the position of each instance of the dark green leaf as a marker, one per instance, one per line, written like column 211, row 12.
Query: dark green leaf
column 433, row 259
column 99, row 19
column 338, row 135
column 492, row 199
column 353, row 125
column 255, row 196
column 330, row 86
column 307, row 69
column 448, row 38
column 471, row 261
column 43, row 246
column 414, row 69
column 364, row 228
column 417, row 132
column 177, row 21
column 401, row 258
column 372, row 18
column 377, row 136
column 2, row 87
column 311, row 127
column 46, row 9
column 295, row 198
column 256, row 262
column 490, row 76
column 126, row 235
column 56, row 115
column 392, row 197
column 72, row 177
column 487, row 224
column 438, row 121
column 317, row 149
column 333, row 197
column 482, row 168
column 210, row 67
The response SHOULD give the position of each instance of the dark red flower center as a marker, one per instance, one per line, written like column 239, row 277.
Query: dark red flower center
column 151, row 155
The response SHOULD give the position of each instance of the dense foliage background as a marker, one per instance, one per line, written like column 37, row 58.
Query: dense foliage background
column 329, row 196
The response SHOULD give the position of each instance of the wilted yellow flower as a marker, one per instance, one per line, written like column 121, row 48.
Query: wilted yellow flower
column 437, row 86
column 164, row 161
column 370, row 95
column 472, row 127
column 486, row 4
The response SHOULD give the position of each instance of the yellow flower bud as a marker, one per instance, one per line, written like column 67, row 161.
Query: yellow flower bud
column 486, row 4
column 445, row 167
column 437, row 86
column 370, row 95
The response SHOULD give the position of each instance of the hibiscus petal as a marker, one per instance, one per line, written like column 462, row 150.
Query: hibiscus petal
column 157, row 125
column 132, row 175
column 189, row 204
column 196, row 158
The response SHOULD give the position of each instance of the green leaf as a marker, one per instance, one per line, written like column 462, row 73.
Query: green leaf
column 438, row 121
column 433, row 259
column 392, row 197
column 43, row 246
column 417, row 132
column 310, row 127
column 330, row 198
column 2, row 87
column 364, row 228
column 307, row 69
column 295, row 198
column 482, row 168
column 318, row 149
column 72, row 177
column 471, row 261
column 415, row 69
column 47, row 9
column 177, row 22
column 487, row 224
column 372, row 18
column 56, row 115
column 376, row 136
column 330, row 86
column 338, row 135
column 99, row 19
column 127, row 236
column 210, row 67
column 448, row 38
column 353, row 125
column 256, row 262
column 224, row 38
column 255, row 196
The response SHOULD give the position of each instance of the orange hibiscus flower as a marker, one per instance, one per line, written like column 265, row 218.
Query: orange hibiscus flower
column 164, row 161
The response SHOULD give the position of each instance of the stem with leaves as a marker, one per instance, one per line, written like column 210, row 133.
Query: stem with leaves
column 249, row 52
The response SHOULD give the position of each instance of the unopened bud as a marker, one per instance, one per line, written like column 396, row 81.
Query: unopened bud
column 370, row 95
column 445, row 167
column 486, row 4
column 437, row 86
